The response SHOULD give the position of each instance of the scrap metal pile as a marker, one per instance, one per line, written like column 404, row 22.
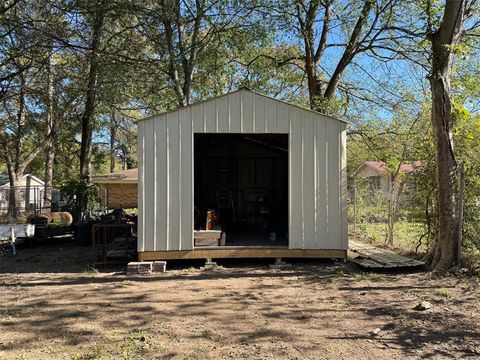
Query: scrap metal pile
column 113, row 236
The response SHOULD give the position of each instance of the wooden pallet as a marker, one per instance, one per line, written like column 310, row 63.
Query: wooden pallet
column 369, row 256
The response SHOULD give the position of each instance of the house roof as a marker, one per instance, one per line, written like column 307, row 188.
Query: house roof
column 233, row 92
column 5, row 181
column 381, row 166
column 129, row 176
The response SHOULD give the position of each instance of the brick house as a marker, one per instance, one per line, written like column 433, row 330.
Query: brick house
column 120, row 189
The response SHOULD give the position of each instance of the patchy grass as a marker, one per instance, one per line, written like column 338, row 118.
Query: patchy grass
column 212, row 335
column 135, row 344
column 441, row 292
column 369, row 276
column 322, row 279
column 242, row 312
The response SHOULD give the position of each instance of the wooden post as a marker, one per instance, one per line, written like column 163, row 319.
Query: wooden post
column 461, row 194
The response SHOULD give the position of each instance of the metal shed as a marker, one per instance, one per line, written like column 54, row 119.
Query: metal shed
column 317, row 216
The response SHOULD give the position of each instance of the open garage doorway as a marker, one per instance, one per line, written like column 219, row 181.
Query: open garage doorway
column 241, row 189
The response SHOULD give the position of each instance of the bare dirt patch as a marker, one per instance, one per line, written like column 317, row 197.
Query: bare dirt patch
column 315, row 310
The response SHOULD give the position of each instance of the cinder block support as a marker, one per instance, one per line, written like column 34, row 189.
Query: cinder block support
column 139, row 268
column 159, row 266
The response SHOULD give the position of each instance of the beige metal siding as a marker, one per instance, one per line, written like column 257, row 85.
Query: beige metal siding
column 141, row 192
column 317, row 169
column 186, row 179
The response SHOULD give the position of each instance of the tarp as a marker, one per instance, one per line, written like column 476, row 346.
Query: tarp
column 21, row 231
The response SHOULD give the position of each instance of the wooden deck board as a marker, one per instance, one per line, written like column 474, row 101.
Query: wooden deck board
column 219, row 252
column 369, row 256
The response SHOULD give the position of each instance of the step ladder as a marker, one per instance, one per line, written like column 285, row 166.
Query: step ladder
column 224, row 191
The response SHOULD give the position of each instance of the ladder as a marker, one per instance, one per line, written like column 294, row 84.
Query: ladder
column 224, row 191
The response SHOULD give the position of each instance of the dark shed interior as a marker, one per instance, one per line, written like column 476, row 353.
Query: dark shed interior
column 244, row 179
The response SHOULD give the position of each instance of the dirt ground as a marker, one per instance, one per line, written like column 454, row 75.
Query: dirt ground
column 53, row 306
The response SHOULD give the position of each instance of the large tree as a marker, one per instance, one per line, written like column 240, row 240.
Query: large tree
column 21, row 60
column 432, row 35
column 330, row 35
column 444, row 41
column 185, row 36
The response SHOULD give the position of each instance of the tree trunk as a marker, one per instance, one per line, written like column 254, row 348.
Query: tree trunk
column 443, row 251
column 87, row 118
column 113, row 139
column 14, row 201
column 444, row 40
column 15, row 168
column 322, row 92
column 51, row 129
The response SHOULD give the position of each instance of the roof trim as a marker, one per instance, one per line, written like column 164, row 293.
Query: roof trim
column 152, row 117
column 117, row 181
column 366, row 164
column 42, row 183
column 35, row 178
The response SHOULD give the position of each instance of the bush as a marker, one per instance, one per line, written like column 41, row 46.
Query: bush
column 81, row 198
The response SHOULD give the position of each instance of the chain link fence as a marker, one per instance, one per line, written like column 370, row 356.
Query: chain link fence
column 16, row 203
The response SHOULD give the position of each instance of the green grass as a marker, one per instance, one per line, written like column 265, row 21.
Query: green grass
column 406, row 234
column 442, row 292
column 371, row 276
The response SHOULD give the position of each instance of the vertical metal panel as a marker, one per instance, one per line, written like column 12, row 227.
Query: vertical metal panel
column 198, row 118
column 247, row 110
column 173, row 174
column 223, row 114
column 308, row 180
column 295, row 239
column 259, row 115
column 320, row 183
column 149, row 185
column 158, row 171
column 141, row 192
column 210, row 116
column 343, row 186
column 271, row 117
column 235, row 110
column 186, row 180
column 333, row 183
column 283, row 121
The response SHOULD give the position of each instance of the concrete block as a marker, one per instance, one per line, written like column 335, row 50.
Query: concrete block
column 210, row 265
column 159, row 266
column 139, row 268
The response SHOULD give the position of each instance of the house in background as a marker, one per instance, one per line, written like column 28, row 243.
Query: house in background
column 380, row 175
column 120, row 189
column 31, row 190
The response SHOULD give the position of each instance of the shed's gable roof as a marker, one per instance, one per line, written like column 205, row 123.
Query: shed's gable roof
column 255, row 94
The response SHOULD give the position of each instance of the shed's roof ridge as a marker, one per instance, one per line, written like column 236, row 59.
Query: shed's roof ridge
column 151, row 117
